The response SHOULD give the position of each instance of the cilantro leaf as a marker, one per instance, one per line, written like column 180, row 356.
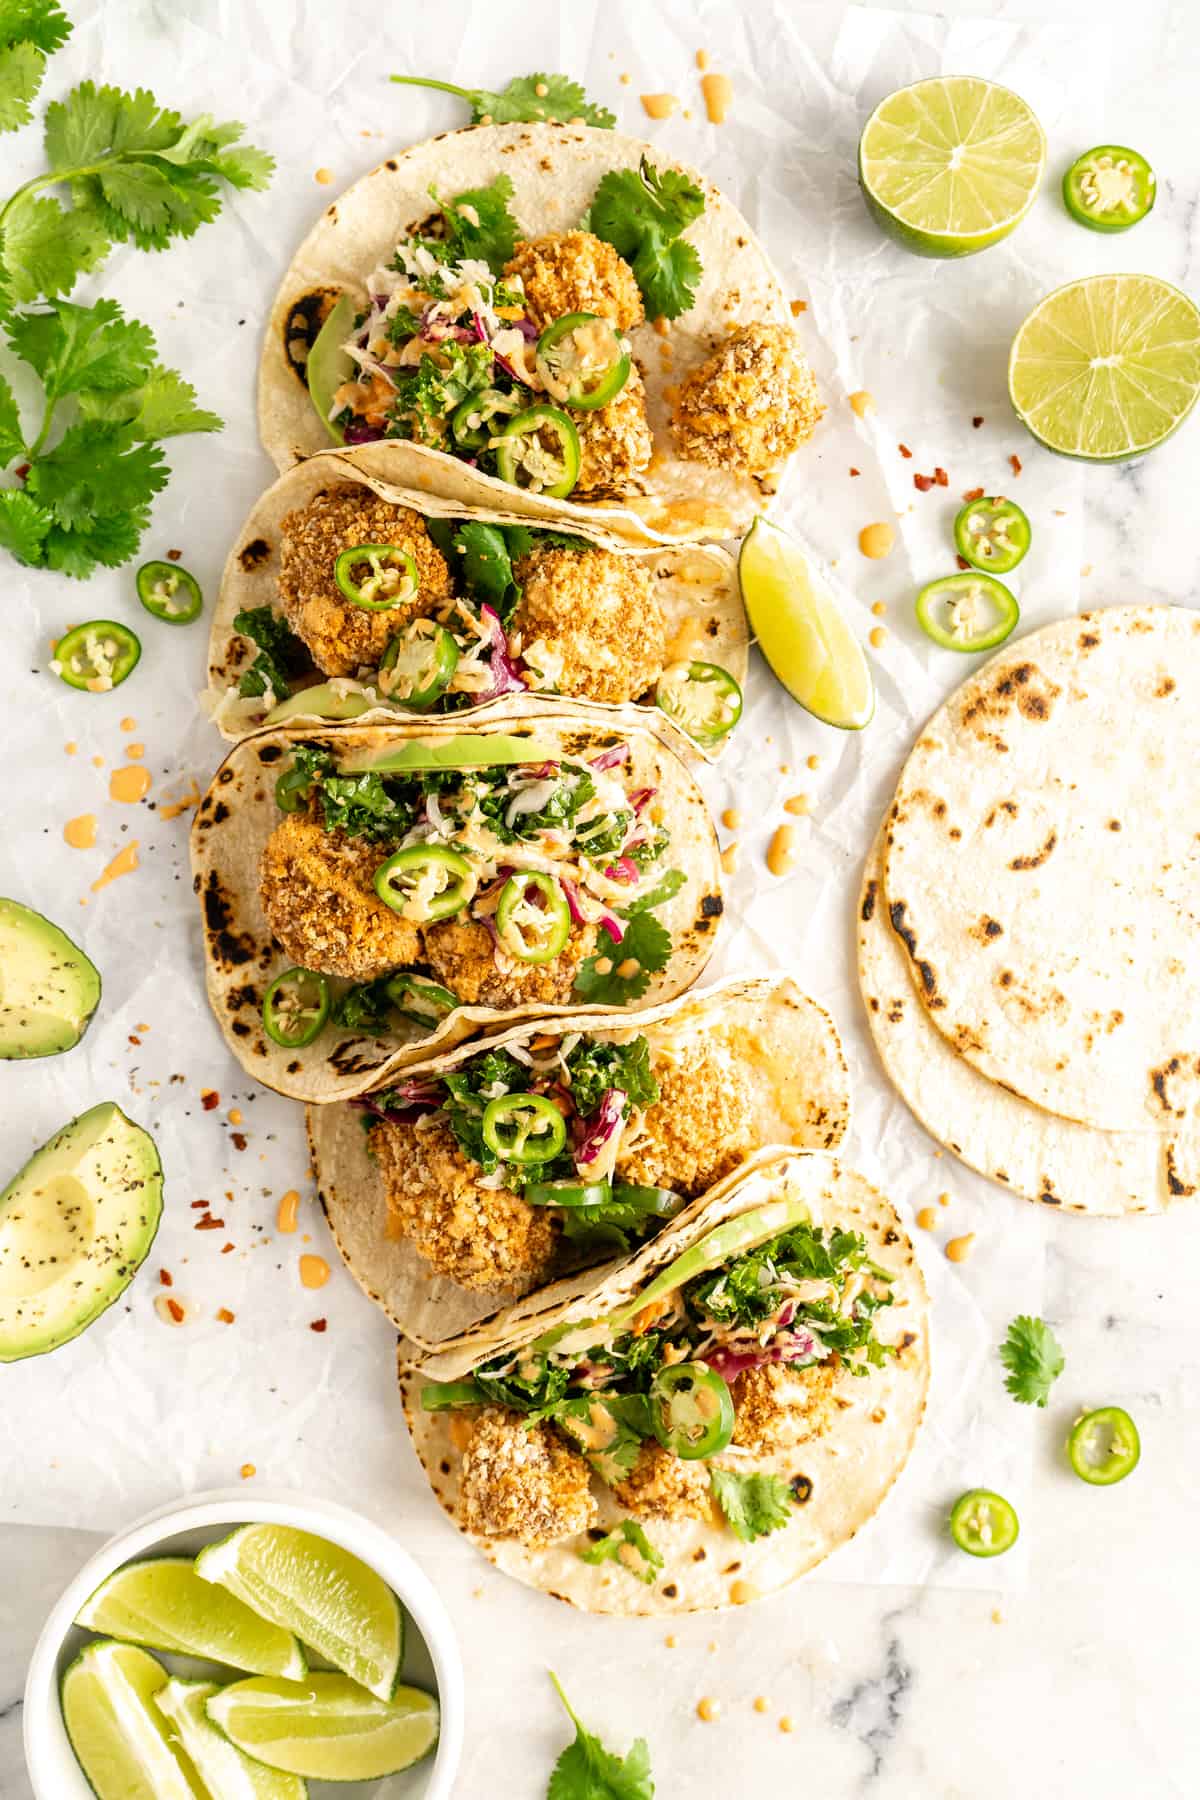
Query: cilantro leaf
column 23, row 525
column 45, row 249
column 754, row 1505
column 30, row 30
column 587, row 1771
column 164, row 405
column 479, row 223
column 667, row 888
column 647, row 943
column 110, row 541
column 1034, row 1359
column 74, row 348
column 520, row 102
column 96, row 471
column 40, row 22
column 12, row 441
column 611, row 1549
column 94, row 124
column 643, row 215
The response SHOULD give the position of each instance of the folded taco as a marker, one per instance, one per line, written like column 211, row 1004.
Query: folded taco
column 372, row 896
column 563, row 1141
column 472, row 297
column 704, row 1422
column 350, row 597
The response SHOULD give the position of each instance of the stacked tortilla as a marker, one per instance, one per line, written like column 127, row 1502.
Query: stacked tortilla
column 1029, row 922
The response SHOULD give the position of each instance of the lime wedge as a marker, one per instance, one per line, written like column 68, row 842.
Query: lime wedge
column 326, row 1727
column 166, row 1606
column 800, row 630
column 116, row 1730
column 318, row 1590
column 227, row 1774
column 951, row 165
column 1107, row 367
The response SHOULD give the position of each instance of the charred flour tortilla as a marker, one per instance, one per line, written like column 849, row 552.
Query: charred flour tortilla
column 848, row 1436
column 696, row 588
column 1046, row 1158
column 1042, row 863
column 239, row 813
column 555, row 170
column 797, row 1092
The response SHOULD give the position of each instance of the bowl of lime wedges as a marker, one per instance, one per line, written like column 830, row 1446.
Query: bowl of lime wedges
column 238, row 1647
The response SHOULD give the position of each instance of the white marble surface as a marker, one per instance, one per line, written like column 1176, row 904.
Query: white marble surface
column 1076, row 1681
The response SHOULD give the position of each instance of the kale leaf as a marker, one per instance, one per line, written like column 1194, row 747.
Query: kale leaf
column 281, row 654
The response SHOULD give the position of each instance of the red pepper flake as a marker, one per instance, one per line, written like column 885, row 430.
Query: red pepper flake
column 904, row 450
column 225, row 1249
column 238, row 1139
column 22, row 471
column 209, row 1099
column 165, row 1277
column 856, row 471
column 319, row 1325
column 210, row 1224
column 225, row 1316
column 1014, row 463
column 977, row 421
column 176, row 1311
column 174, row 555
column 973, row 494
column 134, row 1040
column 962, row 562
column 199, row 1205
column 923, row 482
column 941, row 477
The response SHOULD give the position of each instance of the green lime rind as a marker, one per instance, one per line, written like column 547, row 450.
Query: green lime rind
column 226, row 1772
column 164, row 1605
column 798, row 624
column 120, row 1739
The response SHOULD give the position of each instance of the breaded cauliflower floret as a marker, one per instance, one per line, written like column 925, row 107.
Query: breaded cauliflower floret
column 522, row 1482
column 316, row 889
column 615, row 444
column 342, row 637
column 779, row 1406
column 572, row 271
column 462, row 956
column 480, row 1237
column 663, row 1486
column 599, row 616
column 699, row 1129
column 749, row 404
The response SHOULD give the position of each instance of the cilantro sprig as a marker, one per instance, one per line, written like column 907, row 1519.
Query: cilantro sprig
column 30, row 31
column 587, row 1771
column 754, row 1505
column 646, row 943
column 643, row 215
column 646, row 1561
column 1034, row 1359
column 526, row 99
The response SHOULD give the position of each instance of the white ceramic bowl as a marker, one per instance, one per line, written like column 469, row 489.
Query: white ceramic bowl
column 431, row 1657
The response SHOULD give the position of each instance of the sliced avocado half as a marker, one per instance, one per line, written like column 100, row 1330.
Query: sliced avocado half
column 48, row 988
column 449, row 753
column 320, row 702
column 75, row 1226
column 328, row 365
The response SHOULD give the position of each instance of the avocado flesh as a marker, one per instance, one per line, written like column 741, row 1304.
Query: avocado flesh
column 75, row 1227
column 48, row 988
column 328, row 364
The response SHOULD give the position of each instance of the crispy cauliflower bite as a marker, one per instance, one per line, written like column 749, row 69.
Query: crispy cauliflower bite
column 484, row 1238
column 597, row 611
column 663, row 1486
column 779, row 1406
column 522, row 1482
column 615, row 444
column 697, row 1131
column 462, row 955
column 572, row 271
column 749, row 404
column 342, row 637
column 316, row 890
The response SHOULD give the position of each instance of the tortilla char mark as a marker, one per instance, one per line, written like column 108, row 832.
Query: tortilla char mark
column 1023, row 688
column 1177, row 1187
column 1175, row 1085
column 898, row 913
column 305, row 317
column 252, row 555
column 1037, row 857
column 231, row 949
column 868, row 901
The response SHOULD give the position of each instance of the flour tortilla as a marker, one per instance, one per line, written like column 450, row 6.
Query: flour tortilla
column 801, row 1092
column 1042, row 867
column 1102, row 1174
column 695, row 582
column 847, row 1470
column 555, row 170
column 238, row 814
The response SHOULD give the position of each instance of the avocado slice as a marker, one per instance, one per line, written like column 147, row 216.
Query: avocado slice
column 459, row 752
column 328, row 365
column 75, row 1226
column 48, row 988
column 320, row 702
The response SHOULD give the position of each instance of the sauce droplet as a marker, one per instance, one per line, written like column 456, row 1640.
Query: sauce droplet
column 123, row 863
column 876, row 541
column 708, row 1709
column 798, row 805
column 879, row 608
column 742, row 1592
column 135, row 752
column 324, row 176
column 814, row 762
column 660, row 106
column 682, row 647
column 80, row 833
column 862, row 402
column 959, row 1248
column 781, row 853
column 731, row 818
column 129, row 785
column 128, row 724
column 314, row 1271
column 181, row 806
column 943, row 1199
column 762, row 1704
column 702, row 60
column 877, row 637
column 927, row 1219
column 71, row 748
column 729, row 859
column 288, row 1214
column 718, row 97
column 671, row 1641
column 785, row 1724
column 247, row 1471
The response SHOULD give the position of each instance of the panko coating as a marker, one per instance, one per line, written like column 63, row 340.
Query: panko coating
column 464, row 958
column 615, row 444
column 698, row 1130
column 480, row 1237
column 600, row 614
column 521, row 1481
column 342, row 637
column 663, row 1486
column 778, row 1406
column 749, row 404
column 316, row 890
column 571, row 271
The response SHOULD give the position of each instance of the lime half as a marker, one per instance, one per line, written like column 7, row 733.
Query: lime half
column 1107, row 367
column 326, row 1726
column 116, row 1730
column 329, row 1598
column 226, row 1772
column 800, row 630
column 951, row 165
column 165, row 1605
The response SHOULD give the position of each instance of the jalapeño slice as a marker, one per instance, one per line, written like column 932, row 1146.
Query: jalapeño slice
column 1104, row 1446
column 524, row 1128
column 169, row 593
column 97, row 657
column 691, row 1410
column 418, row 665
column 967, row 612
column 654, row 1202
column 983, row 1523
column 992, row 534
column 428, row 881
column 377, row 577
column 533, row 919
column 573, row 1194
column 703, row 699
column 1109, row 188
column 423, row 1001
column 539, row 450
column 582, row 361
column 295, row 1008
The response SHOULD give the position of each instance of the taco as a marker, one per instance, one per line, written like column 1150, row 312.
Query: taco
column 373, row 896
column 704, row 1422
column 348, row 597
column 487, row 1172
column 472, row 296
